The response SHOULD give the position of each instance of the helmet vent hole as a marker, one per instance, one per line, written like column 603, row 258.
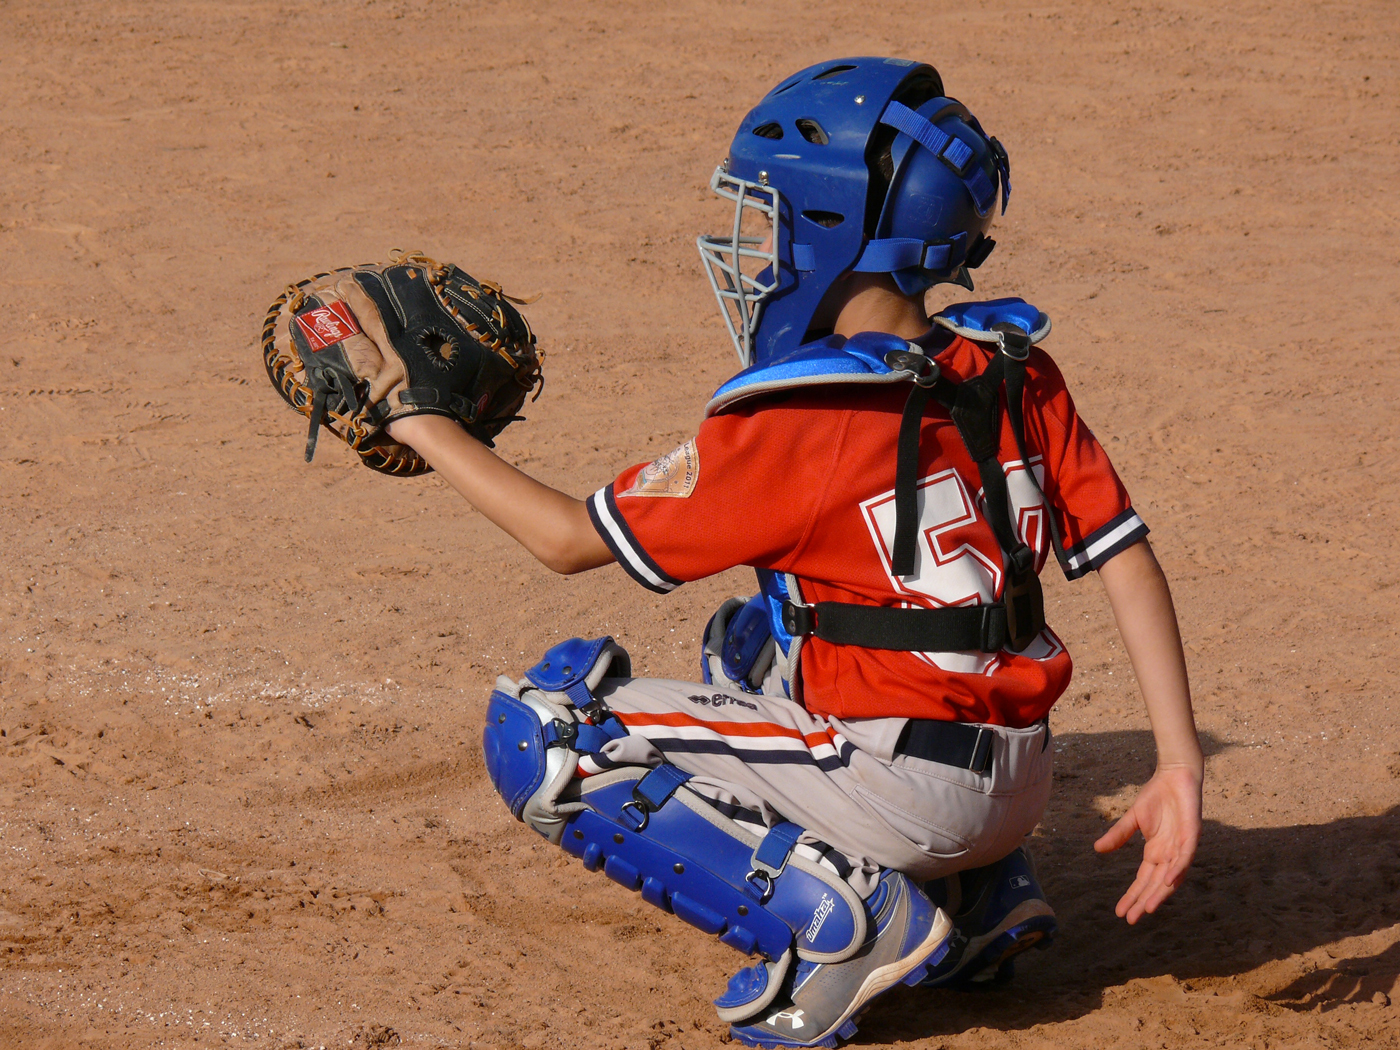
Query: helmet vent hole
column 829, row 219
column 832, row 72
column 812, row 131
column 771, row 130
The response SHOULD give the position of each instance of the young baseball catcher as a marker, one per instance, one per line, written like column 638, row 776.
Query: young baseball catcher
column 846, row 793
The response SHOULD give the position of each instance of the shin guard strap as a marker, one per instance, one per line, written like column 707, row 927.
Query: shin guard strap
column 771, row 857
column 651, row 794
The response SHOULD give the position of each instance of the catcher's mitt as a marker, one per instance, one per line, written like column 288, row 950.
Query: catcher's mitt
column 356, row 348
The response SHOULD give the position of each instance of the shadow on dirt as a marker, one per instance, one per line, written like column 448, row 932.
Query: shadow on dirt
column 1254, row 895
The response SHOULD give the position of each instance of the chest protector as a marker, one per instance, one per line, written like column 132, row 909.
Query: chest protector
column 1012, row 622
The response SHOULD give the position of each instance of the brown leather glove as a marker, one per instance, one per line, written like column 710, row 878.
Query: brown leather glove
column 356, row 348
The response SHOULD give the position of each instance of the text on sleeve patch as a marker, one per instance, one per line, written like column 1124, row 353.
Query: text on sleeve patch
column 674, row 474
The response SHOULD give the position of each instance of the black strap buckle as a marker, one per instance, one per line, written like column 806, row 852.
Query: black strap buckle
column 994, row 630
column 957, row 744
column 926, row 370
column 799, row 620
column 1025, row 610
column 1014, row 343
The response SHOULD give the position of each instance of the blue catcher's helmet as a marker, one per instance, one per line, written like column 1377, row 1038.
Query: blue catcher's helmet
column 858, row 164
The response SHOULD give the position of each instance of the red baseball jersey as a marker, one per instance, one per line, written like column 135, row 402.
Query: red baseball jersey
column 803, row 483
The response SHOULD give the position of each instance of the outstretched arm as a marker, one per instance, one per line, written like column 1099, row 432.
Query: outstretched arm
column 550, row 524
column 1168, row 808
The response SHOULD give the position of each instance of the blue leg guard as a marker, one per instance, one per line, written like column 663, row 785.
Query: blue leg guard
column 646, row 831
column 686, row 857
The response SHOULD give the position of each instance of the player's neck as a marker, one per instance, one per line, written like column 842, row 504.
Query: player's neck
column 875, row 304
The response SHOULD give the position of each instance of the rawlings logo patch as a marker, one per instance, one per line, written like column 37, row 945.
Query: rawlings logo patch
column 674, row 474
column 327, row 325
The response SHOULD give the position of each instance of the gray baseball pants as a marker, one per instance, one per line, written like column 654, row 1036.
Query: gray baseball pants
column 837, row 778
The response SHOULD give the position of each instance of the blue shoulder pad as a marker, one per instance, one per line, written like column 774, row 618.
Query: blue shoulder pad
column 567, row 664
column 859, row 359
column 978, row 320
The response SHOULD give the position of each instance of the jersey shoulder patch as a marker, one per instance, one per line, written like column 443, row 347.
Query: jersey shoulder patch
column 674, row 474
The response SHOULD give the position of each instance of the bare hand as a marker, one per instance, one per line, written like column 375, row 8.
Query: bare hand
column 1168, row 813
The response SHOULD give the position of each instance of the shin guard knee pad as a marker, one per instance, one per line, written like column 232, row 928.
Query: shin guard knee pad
column 533, row 735
column 646, row 832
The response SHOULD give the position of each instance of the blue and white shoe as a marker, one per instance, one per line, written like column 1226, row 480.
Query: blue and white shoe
column 821, row 1002
column 1000, row 914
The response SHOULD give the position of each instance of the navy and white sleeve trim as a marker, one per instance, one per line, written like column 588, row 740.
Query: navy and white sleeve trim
column 1118, row 535
column 602, row 509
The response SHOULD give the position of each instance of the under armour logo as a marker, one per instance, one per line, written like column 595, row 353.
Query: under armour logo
column 794, row 1018
column 1020, row 882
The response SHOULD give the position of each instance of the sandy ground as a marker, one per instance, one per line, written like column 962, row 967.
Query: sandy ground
column 241, row 797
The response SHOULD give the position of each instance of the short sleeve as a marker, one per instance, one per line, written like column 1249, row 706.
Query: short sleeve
column 1095, row 517
column 735, row 494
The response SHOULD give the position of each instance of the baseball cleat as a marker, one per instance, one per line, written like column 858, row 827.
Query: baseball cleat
column 822, row 1001
column 1002, row 913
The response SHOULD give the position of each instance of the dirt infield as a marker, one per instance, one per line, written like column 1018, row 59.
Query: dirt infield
column 241, row 794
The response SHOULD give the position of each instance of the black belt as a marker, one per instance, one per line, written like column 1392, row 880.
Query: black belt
column 950, row 743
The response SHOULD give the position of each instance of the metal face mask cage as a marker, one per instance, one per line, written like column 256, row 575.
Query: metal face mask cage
column 726, row 258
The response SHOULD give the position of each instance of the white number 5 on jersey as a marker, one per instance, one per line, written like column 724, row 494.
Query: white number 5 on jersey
column 956, row 561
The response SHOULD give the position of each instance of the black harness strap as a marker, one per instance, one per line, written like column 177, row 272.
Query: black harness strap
column 951, row 743
column 976, row 410
column 906, row 478
column 1015, row 621
column 972, row 628
column 1016, row 348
